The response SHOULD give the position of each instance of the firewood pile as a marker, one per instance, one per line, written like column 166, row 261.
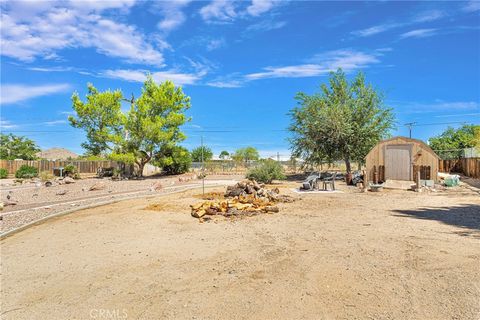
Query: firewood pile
column 245, row 198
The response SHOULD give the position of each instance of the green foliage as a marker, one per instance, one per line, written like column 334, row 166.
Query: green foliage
column 71, row 171
column 26, row 172
column 127, row 158
column 246, row 154
column 101, row 117
column 224, row 155
column 3, row 173
column 341, row 122
column 451, row 141
column 137, row 136
column 174, row 160
column 15, row 147
column 267, row 171
column 197, row 154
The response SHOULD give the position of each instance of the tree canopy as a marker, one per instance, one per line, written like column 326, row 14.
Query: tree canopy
column 451, row 142
column 224, row 155
column 197, row 154
column 139, row 135
column 174, row 160
column 16, row 147
column 341, row 122
column 246, row 154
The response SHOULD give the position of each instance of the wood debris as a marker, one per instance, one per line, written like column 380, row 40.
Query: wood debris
column 247, row 197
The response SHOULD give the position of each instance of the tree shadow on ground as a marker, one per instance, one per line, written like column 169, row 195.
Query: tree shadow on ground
column 296, row 177
column 465, row 216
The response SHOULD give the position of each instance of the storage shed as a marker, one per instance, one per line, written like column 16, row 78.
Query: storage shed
column 400, row 158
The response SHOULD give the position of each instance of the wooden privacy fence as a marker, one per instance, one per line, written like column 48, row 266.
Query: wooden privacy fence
column 467, row 166
column 83, row 166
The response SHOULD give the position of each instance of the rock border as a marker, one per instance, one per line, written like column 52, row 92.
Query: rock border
column 90, row 206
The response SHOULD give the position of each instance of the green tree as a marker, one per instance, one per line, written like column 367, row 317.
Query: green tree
column 197, row 154
column 224, row 155
column 154, row 121
column 341, row 122
column 139, row 135
column 17, row 147
column 267, row 171
column 101, row 117
column 174, row 160
column 451, row 142
column 246, row 154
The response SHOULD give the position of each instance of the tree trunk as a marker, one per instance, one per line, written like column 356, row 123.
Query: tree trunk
column 348, row 165
column 141, row 165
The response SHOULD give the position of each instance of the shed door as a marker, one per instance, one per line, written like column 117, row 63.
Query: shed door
column 398, row 162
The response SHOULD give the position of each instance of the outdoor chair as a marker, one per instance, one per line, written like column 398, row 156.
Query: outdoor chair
column 329, row 181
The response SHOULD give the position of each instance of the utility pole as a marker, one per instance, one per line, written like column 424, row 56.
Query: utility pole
column 410, row 125
column 203, row 168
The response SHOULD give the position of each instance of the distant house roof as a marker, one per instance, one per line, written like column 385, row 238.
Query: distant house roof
column 57, row 154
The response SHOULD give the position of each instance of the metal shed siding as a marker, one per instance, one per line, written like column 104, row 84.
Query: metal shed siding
column 421, row 155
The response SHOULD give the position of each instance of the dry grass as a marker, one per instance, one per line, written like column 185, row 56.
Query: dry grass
column 156, row 207
column 210, row 196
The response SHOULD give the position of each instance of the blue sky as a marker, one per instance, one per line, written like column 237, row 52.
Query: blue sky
column 241, row 62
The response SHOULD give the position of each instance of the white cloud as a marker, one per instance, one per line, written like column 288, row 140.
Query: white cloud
column 173, row 16
column 160, row 76
column 320, row 64
column 423, row 17
column 419, row 33
column 5, row 124
column 436, row 106
column 295, row 71
column 13, row 93
column 266, row 25
column 472, row 6
column 260, row 6
column 375, row 30
column 218, row 11
column 428, row 16
column 214, row 44
column 98, row 6
column 72, row 25
column 444, row 105
column 226, row 84
column 54, row 122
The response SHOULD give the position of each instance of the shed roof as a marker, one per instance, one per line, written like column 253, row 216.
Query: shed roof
column 424, row 145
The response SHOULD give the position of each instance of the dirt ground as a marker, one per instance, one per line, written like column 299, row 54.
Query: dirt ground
column 345, row 255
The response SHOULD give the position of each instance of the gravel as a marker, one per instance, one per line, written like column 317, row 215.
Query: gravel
column 37, row 202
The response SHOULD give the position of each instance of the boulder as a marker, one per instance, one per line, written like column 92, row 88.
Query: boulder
column 271, row 209
column 97, row 186
column 68, row 180
column 61, row 192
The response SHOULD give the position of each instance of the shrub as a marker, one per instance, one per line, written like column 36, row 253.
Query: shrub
column 266, row 172
column 3, row 173
column 71, row 171
column 174, row 160
column 45, row 176
column 26, row 172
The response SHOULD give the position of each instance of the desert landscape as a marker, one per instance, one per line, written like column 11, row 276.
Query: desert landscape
column 230, row 160
column 335, row 255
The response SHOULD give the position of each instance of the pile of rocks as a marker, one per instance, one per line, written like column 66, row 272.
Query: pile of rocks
column 247, row 197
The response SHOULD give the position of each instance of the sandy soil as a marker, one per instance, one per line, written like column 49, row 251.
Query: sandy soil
column 350, row 255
